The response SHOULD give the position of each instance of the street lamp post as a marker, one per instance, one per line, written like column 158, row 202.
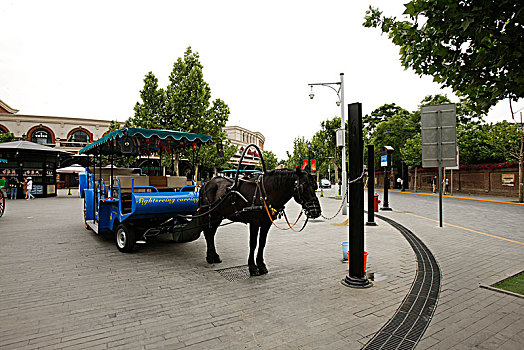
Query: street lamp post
column 340, row 102
column 402, row 166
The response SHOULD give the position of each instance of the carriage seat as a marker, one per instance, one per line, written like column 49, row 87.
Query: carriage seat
column 158, row 181
column 125, row 189
column 176, row 182
column 126, row 181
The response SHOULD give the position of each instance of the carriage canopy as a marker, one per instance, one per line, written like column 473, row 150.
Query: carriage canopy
column 145, row 141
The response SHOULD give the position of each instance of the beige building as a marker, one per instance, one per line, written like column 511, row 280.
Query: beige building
column 241, row 138
column 72, row 134
column 68, row 134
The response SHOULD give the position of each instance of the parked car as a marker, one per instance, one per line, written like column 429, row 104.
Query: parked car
column 325, row 183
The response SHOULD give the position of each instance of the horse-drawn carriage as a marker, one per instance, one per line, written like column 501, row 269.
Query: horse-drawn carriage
column 134, row 207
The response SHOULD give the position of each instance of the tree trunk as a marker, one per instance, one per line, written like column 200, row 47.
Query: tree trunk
column 175, row 164
column 415, row 181
column 196, row 173
column 521, row 164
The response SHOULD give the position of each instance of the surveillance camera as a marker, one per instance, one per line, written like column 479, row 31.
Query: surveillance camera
column 311, row 95
column 338, row 103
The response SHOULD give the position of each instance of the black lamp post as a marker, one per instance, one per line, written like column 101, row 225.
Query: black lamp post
column 388, row 131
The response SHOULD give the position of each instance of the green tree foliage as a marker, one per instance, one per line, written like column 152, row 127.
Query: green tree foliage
column 7, row 137
column 474, row 47
column 184, row 105
column 150, row 113
column 208, row 156
column 326, row 152
column 412, row 151
column 381, row 114
column 270, row 159
column 300, row 152
column 397, row 125
column 505, row 139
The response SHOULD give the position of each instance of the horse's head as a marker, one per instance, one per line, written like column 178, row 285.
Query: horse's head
column 304, row 193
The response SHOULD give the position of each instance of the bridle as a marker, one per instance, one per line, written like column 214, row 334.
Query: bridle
column 309, row 206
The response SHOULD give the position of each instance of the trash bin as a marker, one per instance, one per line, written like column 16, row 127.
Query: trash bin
column 365, row 261
column 377, row 201
column 345, row 249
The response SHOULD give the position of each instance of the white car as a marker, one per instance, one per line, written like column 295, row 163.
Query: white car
column 325, row 183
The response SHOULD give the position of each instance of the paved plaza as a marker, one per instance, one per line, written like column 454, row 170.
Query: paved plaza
column 62, row 286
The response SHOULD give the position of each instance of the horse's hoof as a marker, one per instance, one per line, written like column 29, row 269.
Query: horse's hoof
column 253, row 270
column 215, row 259
column 262, row 269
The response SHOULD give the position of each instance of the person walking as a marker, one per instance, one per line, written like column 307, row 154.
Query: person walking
column 13, row 187
column 29, row 188
column 434, row 184
column 24, row 187
column 4, row 183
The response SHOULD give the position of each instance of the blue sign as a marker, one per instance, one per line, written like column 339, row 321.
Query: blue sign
column 384, row 160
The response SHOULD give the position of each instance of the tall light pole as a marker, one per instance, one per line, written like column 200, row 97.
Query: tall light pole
column 340, row 102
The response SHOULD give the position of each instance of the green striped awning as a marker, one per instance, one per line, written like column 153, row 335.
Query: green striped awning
column 2, row 160
column 146, row 141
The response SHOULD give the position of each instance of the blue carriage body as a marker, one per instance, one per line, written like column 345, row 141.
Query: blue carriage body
column 132, row 199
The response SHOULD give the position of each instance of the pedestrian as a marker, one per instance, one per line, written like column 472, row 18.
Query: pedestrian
column 446, row 186
column 13, row 187
column 4, row 186
column 434, row 183
column 399, row 182
column 24, row 187
column 29, row 188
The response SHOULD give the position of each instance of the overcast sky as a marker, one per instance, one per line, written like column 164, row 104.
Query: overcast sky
column 88, row 59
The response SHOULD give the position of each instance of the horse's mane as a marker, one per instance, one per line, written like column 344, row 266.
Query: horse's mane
column 279, row 177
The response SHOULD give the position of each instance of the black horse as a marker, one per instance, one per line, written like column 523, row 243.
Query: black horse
column 252, row 202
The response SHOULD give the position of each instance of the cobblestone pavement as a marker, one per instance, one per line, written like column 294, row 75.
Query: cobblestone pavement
column 64, row 287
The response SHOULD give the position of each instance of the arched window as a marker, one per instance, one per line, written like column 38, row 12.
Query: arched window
column 79, row 136
column 41, row 136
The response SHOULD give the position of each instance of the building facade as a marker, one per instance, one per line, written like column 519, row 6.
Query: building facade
column 241, row 138
column 68, row 134
column 72, row 134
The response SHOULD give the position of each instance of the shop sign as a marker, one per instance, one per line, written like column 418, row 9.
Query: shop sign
column 32, row 172
column 508, row 179
column 8, row 172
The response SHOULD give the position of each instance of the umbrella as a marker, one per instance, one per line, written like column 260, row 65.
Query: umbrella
column 72, row 169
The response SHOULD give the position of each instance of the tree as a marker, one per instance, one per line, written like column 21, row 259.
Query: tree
column 300, row 153
column 208, row 156
column 326, row 151
column 473, row 47
column 508, row 140
column 7, row 137
column 381, row 114
column 185, row 105
column 150, row 113
column 270, row 159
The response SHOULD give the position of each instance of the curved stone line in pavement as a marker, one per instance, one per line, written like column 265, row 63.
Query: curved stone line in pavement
column 410, row 321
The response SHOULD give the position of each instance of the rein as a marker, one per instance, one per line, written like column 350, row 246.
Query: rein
column 285, row 216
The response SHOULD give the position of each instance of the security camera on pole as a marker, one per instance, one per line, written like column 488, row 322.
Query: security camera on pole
column 340, row 102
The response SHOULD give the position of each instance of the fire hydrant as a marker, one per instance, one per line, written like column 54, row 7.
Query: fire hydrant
column 376, row 202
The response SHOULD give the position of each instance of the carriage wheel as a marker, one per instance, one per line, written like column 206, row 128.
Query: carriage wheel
column 85, row 215
column 2, row 203
column 125, row 238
